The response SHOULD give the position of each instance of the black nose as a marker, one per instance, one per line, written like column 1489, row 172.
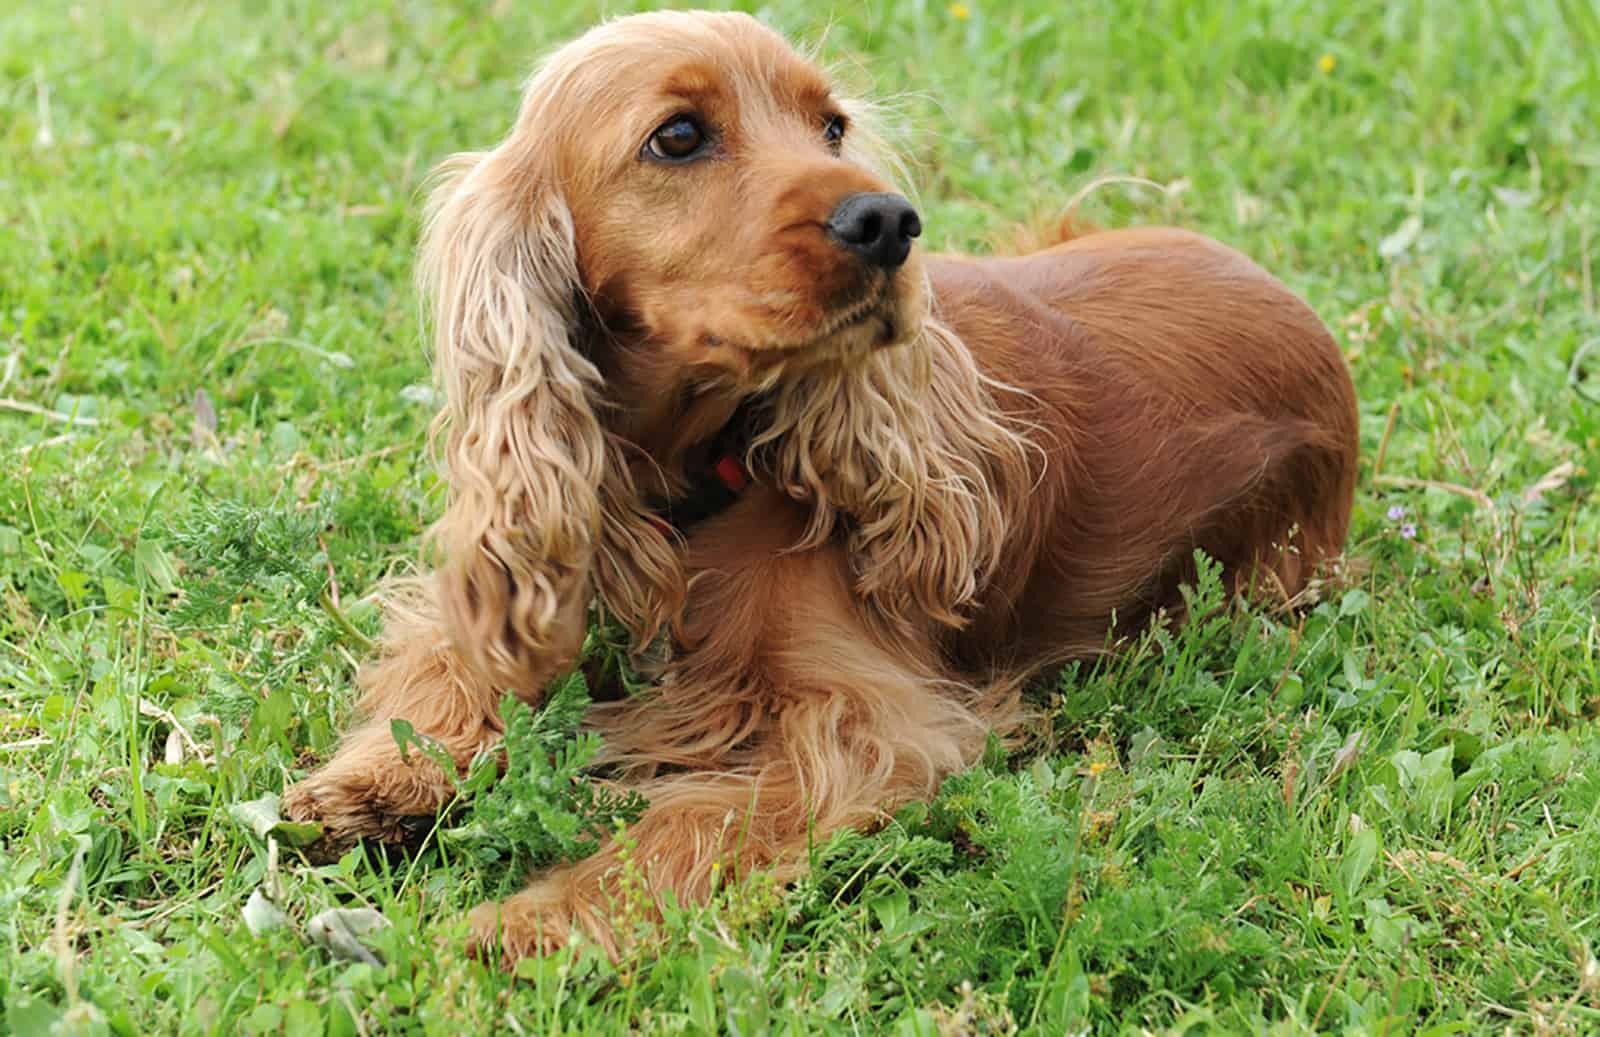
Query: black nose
column 876, row 227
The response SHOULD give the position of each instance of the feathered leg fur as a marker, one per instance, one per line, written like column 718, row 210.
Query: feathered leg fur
column 369, row 790
column 755, row 745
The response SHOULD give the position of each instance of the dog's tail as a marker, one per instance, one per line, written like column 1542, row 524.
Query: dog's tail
column 1046, row 232
column 1036, row 235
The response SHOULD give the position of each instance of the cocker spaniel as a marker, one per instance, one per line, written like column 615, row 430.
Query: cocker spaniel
column 698, row 372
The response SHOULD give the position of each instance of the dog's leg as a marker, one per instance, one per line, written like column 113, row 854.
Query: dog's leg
column 790, row 718
column 369, row 789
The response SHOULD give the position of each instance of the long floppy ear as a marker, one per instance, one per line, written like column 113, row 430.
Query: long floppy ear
column 542, row 508
column 911, row 453
column 523, row 450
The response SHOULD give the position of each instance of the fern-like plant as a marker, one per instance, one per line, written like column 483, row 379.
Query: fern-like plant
column 544, row 808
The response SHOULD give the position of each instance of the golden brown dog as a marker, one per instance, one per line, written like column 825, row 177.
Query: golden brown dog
column 687, row 253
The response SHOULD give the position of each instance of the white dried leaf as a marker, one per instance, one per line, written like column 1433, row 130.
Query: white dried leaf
column 261, row 914
column 1348, row 753
column 339, row 930
column 1402, row 239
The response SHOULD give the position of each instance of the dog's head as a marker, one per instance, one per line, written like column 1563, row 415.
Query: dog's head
column 708, row 206
column 685, row 213
column 726, row 210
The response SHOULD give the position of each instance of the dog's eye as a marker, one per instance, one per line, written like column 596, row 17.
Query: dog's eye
column 680, row 137
column 833, row 131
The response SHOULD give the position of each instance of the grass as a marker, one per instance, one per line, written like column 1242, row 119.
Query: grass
column 1381, row 818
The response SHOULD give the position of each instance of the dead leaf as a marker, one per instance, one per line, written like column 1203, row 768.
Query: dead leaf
column 204, row 432
column 1404, row 236
column 1554, row 479
column 261, row 914
column 339, row 930
column 1348, row 753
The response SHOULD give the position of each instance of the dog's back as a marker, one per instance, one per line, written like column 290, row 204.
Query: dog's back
column 1193, row 402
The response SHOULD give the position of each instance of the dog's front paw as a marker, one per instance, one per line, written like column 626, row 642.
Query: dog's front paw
column 540, row 920
column 349, row 816
column 372, row 796
column 498, row 932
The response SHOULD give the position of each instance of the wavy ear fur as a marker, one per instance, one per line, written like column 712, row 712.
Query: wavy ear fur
column 538, row 490
column 523, row 450
column 910, row 451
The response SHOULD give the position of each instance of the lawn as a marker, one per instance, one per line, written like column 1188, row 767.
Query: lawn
column 1379, row 817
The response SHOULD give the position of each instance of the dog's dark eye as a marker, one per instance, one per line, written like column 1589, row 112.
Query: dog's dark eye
column 679, row 138
column 833, row 131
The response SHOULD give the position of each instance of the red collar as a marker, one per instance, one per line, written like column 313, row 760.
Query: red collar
column 713, row 490
column 717, row 479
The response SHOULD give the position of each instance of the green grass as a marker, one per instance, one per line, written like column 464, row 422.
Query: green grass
column 1382, row 818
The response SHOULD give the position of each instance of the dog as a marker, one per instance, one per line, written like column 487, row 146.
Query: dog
column 698, row 373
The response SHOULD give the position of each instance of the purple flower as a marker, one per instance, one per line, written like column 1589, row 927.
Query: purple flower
column 1409, row 530
column 1396, row 513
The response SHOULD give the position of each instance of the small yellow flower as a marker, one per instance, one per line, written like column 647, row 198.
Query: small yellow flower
column 1098, row 767
column 1326, row 63
column 960, row 12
